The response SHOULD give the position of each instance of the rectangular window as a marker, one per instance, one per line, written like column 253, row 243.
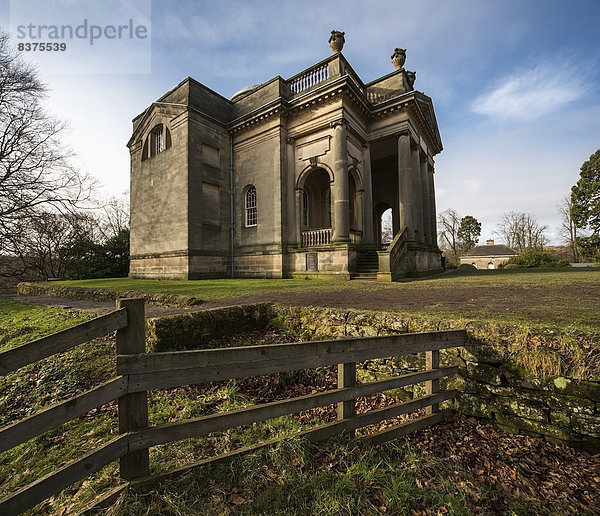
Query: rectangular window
column 158, row 140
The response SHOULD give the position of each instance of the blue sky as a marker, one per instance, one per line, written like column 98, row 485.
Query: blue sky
column 515, row 84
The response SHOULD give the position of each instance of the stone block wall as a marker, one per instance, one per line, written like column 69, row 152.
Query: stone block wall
column 330, row 262
column 194, row 329
column 259, row 266
column 160, row 267
column 93, row 294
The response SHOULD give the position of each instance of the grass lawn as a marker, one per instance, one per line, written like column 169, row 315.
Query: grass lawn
column 566, row 298
column 461, row 467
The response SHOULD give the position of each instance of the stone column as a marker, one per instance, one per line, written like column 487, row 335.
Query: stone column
column 417, row 194
column 368, row 230
column 405, row 204
column 432, row 209
column 426, row 201
column 341, row 193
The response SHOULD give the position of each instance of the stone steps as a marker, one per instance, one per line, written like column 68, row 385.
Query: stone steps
column 367, row 266
column 365, row 276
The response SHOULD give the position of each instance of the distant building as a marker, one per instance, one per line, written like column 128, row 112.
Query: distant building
column 488, row 256
column 287, row 178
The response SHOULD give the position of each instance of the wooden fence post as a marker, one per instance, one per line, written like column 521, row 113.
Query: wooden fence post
column 432, row 359
column 133, row 408
column 346, row 378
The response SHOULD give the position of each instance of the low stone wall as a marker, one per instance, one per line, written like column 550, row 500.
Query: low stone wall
column 194, row 330
column 48, row 289
column 532, row 381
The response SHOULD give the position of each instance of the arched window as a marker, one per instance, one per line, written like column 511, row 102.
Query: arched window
column 491, row 265
column 157, row 141
column 250, row 207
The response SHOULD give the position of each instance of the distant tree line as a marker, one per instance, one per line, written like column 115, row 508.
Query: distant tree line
column 75, row 245
column 579, row 229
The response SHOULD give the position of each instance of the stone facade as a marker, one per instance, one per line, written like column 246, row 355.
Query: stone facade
column 288, row 178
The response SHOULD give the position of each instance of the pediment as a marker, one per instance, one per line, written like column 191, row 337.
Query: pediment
column 426, row 108
column 155, row 113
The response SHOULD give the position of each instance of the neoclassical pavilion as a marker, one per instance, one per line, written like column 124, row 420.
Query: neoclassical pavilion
column 289, row 178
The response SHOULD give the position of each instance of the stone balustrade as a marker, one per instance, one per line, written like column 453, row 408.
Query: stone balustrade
column 316, row 237
column 309, row 78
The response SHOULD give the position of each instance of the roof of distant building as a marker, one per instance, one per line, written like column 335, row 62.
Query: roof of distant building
column 491, row 250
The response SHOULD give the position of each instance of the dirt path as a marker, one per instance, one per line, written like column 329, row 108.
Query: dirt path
column 541, row 302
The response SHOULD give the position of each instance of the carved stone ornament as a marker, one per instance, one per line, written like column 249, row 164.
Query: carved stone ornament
column 336, row 41
column 398, row 58
column 411, row 77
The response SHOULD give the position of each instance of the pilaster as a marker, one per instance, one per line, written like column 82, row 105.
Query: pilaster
column 291, row 231
column 425, row 189
column 432, row 208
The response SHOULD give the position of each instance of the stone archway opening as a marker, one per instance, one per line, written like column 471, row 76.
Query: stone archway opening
column 315, row 209
column 316, row 201
column 384, row 225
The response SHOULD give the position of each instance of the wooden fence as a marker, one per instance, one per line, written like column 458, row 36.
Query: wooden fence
column 138, row 372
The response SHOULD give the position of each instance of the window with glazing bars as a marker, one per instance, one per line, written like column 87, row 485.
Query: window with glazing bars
column 250, row 203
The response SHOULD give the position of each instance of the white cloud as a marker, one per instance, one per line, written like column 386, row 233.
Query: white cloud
column 472, row 185
column 527, row 95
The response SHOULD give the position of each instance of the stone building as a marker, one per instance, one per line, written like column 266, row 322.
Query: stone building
column 488, row 256
column 288, row 178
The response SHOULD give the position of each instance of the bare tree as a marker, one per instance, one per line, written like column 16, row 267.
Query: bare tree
column 36, row 176
column 115, row 216
column 568, row 228
column 449, row 226
column 522, row 232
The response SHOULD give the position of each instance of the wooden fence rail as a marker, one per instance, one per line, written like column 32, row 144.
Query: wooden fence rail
column 45, row 347
column 139, row 372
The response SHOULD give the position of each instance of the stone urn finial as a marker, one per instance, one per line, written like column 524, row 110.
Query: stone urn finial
column 411, row 77
column 336, row 41
column 398, row 58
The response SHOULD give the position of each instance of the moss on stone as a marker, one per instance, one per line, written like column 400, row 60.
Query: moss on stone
column 538, row 427
column 581, row 388
column 525, row 409
column 560, row 418
column 585, row 424
column 484, row 373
